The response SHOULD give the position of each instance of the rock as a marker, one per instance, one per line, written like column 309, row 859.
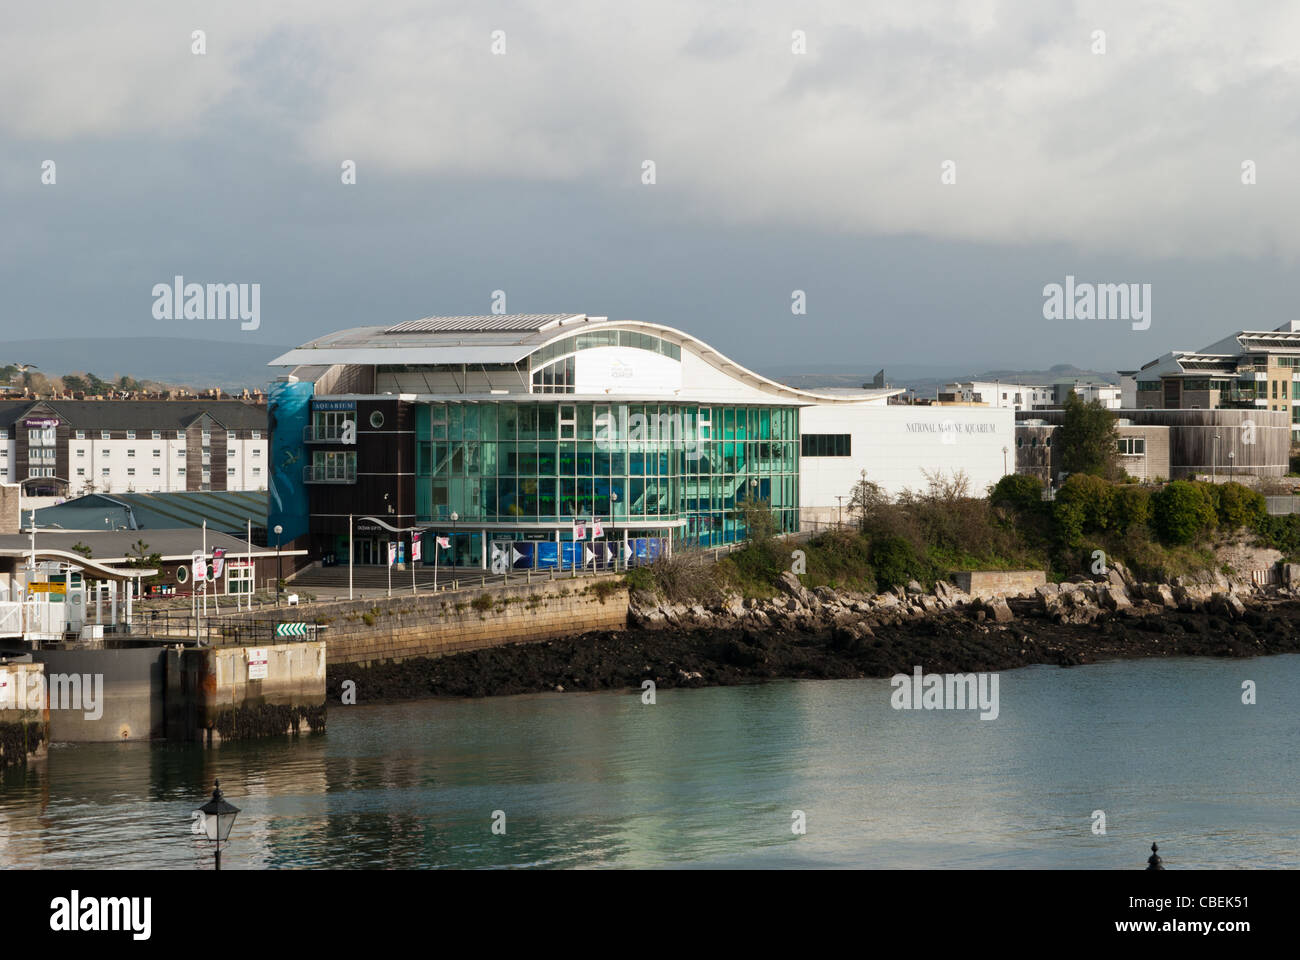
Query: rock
column 914, row 588
column 1161, row 594
column 1228, row 605
column 789, row 582
column 998, row 610
column 1113, row 597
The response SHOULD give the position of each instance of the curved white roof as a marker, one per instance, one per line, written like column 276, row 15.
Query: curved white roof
column 507, row 339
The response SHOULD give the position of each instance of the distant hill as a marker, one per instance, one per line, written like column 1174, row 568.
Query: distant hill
column 179, row 362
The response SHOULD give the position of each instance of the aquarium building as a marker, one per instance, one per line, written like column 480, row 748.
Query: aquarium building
column 545, row 440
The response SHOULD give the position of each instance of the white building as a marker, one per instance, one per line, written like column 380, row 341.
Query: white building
column 1002, row 394
column 502, row 432
column 72, row 447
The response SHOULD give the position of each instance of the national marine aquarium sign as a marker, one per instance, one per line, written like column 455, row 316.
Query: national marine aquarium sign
column 951, row 428
column 289, row 414
column 333, row 405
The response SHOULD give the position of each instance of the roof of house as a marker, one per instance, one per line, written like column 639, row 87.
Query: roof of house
column 146, row 414
column 228, row 510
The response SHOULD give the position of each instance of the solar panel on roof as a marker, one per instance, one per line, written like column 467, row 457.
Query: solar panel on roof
column 523, row 322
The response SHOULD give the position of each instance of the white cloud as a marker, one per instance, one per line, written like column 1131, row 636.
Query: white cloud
column 1138, row 150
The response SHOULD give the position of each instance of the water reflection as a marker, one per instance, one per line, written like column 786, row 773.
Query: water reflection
column 712, row 777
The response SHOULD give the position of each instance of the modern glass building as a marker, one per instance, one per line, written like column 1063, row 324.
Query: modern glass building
column 544, row 440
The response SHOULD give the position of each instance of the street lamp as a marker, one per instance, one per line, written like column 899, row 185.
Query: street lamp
column 1232, row 454
column 218, row 818
column 454, row 517
column 278, row 570
column 1004, row 460
column 1214, row 467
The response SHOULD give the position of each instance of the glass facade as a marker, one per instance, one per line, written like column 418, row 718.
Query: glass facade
column 643, row 465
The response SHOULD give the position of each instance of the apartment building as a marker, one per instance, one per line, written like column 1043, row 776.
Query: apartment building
column 74, row 447
column 1002, row 394
column 1250, row 369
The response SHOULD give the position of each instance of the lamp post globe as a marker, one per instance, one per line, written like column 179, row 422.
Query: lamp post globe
column 218, row 818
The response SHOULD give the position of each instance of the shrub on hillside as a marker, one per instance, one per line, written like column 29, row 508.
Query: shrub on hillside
column 1238, row 506
column 895, row 562
column 1093, row 495
column 1020, row 491
column 1131, row 507
column 1182, row 512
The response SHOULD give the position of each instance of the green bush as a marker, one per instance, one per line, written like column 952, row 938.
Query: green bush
column 1093, row 495
column 1020, row 491
column 1070, row 519
column 1182, row 512
column 1239, row 506
column 1132, row 507
column 895, row 561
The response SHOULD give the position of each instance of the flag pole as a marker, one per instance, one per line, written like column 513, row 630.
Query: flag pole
column 435, row 563
column 391, row 554
column 413, row 543
column 352, row 552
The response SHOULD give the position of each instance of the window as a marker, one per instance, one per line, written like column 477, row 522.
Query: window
column 157, row 471
column 157, row 435
column 180, row 471
column 157, row 453
column 257, row 451
column 1132, row 446
column 81, row 451
column 180, row 434
column 81, row 434
column 827, row 445
column 130, row 471
column 81, row 471
column 130, row 434
column 104, row 435
column 255, row 435
column 230, row 471
column 239, row 578
column 130, row 453
column 1196, row 384
column 257, row 471
column 103, row 471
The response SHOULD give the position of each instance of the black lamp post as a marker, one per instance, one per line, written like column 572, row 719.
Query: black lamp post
column 279, row 574
column 218, row 818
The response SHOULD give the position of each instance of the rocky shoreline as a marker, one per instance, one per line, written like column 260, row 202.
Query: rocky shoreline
column 825, row 634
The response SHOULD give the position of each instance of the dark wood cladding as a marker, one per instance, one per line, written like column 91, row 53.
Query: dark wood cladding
column 385, row 484
column 1256, row 442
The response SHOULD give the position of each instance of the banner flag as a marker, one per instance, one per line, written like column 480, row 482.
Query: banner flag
column 415, row 546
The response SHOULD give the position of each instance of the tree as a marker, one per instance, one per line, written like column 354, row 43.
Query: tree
column 1087, row 439
column 866, row 500
column 141, row 558
column 1239, row 506
column 1020, row 491
column 894, row 561
column 74, row 384
column 1182, row 511
column 1132, row 507
column 1094, row 497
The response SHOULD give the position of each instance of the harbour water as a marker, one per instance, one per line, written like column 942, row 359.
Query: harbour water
column 1165, row 749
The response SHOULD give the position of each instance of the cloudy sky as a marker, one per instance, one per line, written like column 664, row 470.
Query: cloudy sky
column 774, row 170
